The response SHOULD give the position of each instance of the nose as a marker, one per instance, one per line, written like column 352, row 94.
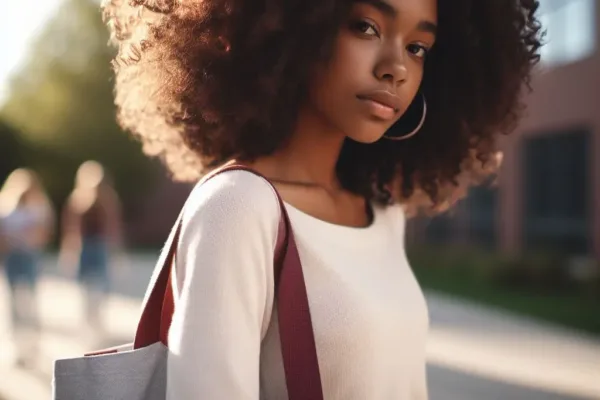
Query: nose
column 392, row 68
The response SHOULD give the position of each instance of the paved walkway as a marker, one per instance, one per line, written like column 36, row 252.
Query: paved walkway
column 516, row 352
column 475, row 353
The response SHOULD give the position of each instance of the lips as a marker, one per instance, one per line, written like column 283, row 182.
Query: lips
column 381, row 104
column 384, row 98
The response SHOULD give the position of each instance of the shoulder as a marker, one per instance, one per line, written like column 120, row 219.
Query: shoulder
column 232, row 198
column 395, row 211
column 393, row 216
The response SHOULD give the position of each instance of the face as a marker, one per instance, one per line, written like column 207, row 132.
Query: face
column 376, row 67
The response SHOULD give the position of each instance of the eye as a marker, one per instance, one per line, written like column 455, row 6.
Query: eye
column 418, row 50
column 366, row 28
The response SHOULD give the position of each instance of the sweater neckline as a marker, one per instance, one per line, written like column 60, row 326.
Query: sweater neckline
column 329, row 231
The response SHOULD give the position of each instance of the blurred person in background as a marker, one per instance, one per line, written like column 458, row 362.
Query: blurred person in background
column 91, row 235
column 26, row 225
column 358, row 113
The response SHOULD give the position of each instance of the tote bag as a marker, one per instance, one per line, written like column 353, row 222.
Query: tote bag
column 138, row 371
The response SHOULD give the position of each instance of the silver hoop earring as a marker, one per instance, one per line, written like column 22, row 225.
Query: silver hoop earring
column 417, row 129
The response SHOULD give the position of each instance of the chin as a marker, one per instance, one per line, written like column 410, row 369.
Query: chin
column 370, row 134
column 367, row 132
column 365, row 138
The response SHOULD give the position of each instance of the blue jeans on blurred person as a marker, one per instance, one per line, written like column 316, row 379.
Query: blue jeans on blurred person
column 93, row 264
column 94, row 278
column 21, row 268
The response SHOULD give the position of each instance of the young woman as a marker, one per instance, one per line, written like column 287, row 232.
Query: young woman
column 26, row 222
column 91, row 231
column 357, row 112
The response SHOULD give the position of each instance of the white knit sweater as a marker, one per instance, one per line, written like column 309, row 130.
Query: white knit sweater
column 369, row 314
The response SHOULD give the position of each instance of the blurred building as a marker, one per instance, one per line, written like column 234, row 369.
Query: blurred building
column 548, row 194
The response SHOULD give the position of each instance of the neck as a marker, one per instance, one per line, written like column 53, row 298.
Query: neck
column 312, row 152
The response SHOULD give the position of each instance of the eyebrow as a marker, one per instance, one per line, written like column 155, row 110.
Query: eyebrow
column 383, row 6
column 389, row 10
column 427, row 26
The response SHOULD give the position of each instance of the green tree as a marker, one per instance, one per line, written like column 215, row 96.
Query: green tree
column 11, row 150
column 61, row 102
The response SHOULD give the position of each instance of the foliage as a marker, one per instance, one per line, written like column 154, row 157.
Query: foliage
column 11, row 150
column 539, row 270
column 538, row 283
column 61, row 102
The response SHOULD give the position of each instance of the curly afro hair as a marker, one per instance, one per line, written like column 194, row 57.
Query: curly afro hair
column 180, row 90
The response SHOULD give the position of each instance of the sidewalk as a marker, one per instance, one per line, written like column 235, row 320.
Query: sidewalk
column 61, row 336
column 475, row 353
column 497, row 345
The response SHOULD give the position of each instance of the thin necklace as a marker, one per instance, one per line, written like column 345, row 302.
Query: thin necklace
column 299, row 183
column 368, row 208
column 303, row 184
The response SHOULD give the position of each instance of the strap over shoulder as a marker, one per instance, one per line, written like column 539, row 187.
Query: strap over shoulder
column 295, row 325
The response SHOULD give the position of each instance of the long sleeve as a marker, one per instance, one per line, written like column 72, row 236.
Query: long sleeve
column 224, row 289
column 419, row 385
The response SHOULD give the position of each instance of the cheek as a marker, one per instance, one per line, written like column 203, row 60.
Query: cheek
column 347, row 71
column 352, row 57
column 334, row 78
column 349, row 54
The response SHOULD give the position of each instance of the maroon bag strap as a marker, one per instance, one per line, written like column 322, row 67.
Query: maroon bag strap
column 298, row 347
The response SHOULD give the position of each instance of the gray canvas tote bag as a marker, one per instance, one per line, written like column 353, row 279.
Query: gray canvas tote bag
column 138, row 371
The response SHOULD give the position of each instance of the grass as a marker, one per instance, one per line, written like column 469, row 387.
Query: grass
column 569, row 308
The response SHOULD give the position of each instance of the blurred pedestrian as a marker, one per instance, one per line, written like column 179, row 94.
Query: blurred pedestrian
column 91, row 233
column 26, row 222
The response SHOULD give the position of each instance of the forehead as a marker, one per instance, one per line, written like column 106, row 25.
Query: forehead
column 417, row 9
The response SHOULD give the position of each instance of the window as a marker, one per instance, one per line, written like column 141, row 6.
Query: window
column 473, row 220
column 557, row 192
column 570, row 30
column 481, row 204
column 440, row 229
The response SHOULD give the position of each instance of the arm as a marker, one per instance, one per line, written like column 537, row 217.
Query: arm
column 225, row 289
column 3, row 241
column 46, row 223
column 112, row 207
column 419, row 391
column 70, row 243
